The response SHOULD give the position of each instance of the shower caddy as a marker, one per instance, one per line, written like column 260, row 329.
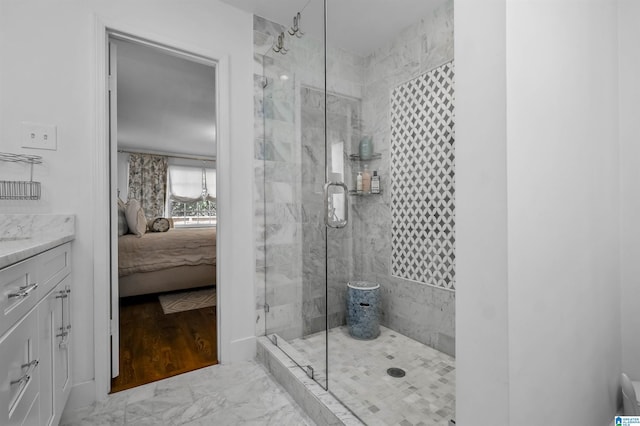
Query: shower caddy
column 357, row 159
column 18, row 189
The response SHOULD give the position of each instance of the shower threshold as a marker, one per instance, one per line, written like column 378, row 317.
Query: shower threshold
column 320, row 405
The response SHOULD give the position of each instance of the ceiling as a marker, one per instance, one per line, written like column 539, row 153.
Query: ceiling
column 358, row 26
column 165, row 102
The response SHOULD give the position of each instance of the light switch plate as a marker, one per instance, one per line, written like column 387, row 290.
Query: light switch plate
column 39, row 136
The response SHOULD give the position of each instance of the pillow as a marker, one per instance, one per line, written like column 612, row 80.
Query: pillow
column 123, row 228
column 159, row 224
column 135, row 218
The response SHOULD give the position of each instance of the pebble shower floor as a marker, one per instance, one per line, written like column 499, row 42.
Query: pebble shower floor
column 358, row 377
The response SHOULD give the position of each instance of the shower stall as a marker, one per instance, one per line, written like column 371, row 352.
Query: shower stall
column 321, row 227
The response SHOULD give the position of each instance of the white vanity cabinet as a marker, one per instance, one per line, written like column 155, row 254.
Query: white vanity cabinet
column 35, row 328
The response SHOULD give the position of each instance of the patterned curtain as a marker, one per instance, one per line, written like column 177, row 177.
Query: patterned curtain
column 148, row 182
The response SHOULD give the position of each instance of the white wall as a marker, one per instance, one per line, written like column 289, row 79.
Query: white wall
column 629, row 92
column 561, row 181
column 482, row 381
column 562, row 168
column 48, row 48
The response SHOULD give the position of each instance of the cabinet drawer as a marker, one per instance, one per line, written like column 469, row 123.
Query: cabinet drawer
column 53, row 266
column 26, row 282
column 18, row 292
column 19, row 372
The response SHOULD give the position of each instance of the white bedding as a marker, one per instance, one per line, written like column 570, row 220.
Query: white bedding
column 155, row 251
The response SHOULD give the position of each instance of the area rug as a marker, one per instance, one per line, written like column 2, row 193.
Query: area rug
column 180, row 301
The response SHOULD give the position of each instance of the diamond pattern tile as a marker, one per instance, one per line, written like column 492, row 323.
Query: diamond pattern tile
column 422, row 179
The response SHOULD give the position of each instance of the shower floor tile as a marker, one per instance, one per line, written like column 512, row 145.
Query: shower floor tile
column 358, row 377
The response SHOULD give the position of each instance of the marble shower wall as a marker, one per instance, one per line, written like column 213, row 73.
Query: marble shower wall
column 422, row 312
column 289, row 173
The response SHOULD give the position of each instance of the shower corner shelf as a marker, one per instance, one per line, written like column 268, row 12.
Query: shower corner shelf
column 20, row 190
column 374, row 156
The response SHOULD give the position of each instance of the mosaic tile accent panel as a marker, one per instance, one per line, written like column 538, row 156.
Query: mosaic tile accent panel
column 422, row 179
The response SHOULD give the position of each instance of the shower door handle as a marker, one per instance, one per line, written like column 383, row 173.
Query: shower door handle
column 333, row 217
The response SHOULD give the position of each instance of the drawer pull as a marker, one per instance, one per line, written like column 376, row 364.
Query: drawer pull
column 33, row 364
column 24, row 379
column 30, row 366
column 64, row 330
column 24, row 291
column 23, row 382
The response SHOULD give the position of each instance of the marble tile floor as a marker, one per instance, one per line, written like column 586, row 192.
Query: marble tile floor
column 358, row 377
column 235, row 394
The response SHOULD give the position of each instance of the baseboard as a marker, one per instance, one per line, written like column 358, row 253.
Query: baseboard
column 241, row 350
column 82, row 395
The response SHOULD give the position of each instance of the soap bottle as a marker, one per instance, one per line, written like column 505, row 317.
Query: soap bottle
column 366, row 148
column 359, row 183
column 375, row 183
column 366, row 180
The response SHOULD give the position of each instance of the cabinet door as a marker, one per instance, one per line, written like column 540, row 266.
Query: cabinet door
column 47, row 333
column 54, row 319
column 62, row 347
column 19, row 373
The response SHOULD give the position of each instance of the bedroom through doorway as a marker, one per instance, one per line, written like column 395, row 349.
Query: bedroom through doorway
column 162, row 118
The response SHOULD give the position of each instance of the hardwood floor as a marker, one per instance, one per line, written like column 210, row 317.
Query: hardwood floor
column 155, row 346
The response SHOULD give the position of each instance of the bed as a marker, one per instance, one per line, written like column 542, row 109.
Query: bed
column 156, row 262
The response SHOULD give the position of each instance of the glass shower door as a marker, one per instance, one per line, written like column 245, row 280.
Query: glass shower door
column 291, row 100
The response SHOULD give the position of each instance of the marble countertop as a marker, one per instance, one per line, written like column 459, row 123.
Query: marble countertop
column 25, row 235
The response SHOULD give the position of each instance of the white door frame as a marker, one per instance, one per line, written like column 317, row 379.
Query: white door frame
column 101, row 182
column 112, row 113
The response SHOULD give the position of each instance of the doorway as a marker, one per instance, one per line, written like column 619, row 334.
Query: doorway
column 163, row 119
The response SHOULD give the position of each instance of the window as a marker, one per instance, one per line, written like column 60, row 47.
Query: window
column 191, row 195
